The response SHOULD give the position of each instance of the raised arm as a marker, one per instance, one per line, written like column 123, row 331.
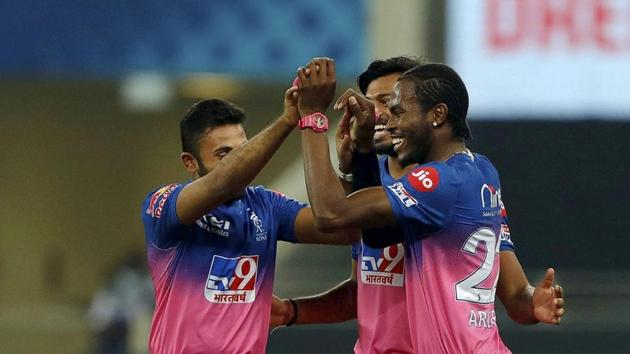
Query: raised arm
column 234, row 172
column 367, row 208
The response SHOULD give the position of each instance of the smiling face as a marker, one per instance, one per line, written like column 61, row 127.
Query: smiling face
column 410, row 126
column 380, row 92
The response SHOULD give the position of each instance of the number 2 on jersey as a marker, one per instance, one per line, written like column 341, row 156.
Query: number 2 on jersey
column 468, row 289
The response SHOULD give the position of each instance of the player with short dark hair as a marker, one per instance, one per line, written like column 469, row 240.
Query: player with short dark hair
column 380, row 307
column 449, row 207
column 211, row 242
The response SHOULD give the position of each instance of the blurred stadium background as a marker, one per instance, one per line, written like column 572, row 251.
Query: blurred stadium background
column 91, row 94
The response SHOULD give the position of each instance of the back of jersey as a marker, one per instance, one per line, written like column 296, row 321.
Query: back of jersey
column 452, row 215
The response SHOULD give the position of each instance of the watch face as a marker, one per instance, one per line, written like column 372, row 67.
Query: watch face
column 320, row 121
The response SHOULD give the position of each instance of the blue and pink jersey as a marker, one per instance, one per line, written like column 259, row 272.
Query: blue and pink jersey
column 381, row 299
column 452, row 217
column 213, row 280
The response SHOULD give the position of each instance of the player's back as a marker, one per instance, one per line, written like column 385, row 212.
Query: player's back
column 452, row 231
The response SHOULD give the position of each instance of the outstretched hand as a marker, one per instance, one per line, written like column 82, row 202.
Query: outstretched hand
column 548, row 300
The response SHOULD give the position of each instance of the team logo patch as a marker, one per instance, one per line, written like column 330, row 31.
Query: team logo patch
column 424, row 179
column 384, row 267
column 261, row 234
column 232, row 280
column 158, row 199
column 402, row 194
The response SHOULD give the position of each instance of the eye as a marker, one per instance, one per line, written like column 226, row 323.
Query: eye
column 397, row 111
column 220, row 154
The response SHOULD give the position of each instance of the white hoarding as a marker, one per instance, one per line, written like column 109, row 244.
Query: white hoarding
column 545, row 59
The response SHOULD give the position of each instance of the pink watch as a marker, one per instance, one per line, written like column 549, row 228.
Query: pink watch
column 316, row 121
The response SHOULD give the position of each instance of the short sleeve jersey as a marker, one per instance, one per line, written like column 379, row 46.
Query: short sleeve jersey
column 381, row 304
column 452, row 217
column 213, row 279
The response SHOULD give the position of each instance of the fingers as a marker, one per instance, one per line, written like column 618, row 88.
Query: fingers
column 302, row 75
column 344, row 125
column 322, row 68
column 331, row 68
column 361, row 112
column 343, row 99
column 296, row 82
column 558, row 291
column 291, row 91
column 547, row 282
column 317, row 68
column 559, row 302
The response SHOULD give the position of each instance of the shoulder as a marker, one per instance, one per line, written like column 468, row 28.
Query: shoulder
column 155, row 200
column 434, row 175
column 264, row 194
column 484, row 161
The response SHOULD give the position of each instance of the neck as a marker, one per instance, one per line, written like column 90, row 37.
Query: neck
column 441, row 152
column 395, row 169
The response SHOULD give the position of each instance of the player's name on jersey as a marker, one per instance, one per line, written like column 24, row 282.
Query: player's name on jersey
column 482, row 319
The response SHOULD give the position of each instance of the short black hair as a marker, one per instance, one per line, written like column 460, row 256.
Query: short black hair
column 380, row 68
column 436, row 83
column 203, row 115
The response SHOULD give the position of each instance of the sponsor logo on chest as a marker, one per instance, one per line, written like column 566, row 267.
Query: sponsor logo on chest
column 214, row 225
column 383, row 267
column 232, row 280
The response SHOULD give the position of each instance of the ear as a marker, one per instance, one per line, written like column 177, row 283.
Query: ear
column 190, row 162
column 439, row 114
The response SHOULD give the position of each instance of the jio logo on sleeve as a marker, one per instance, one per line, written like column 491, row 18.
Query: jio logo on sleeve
column 424, row 179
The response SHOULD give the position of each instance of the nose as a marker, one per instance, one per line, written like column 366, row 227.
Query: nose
column 380, row 109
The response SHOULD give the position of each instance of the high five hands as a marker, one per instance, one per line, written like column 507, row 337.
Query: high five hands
column 317, row 82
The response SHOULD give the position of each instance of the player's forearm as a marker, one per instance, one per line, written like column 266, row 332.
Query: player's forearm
column 242, row 165
column 335, row 305
column 325, row 193
column 234, row 172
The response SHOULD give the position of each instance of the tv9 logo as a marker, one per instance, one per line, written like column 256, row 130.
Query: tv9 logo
column 232, row 280
column 383, row 266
